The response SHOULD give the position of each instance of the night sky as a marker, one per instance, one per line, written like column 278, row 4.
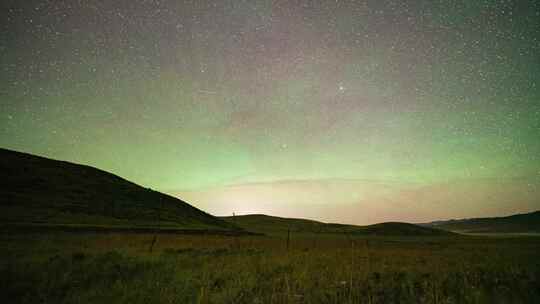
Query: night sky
column 343, row 111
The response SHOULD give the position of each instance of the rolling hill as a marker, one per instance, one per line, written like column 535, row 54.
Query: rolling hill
column 273, row 225
column 518, row 223
column 41, row 191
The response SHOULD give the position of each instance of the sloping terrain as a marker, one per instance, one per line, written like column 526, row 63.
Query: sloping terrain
column 273, row 225
column 41, row 191
column 518, row 223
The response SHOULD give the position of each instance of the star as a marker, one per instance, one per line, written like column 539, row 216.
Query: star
column 287, row 89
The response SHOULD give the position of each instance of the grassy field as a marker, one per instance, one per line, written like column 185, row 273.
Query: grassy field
column 64, row 267
column 77, row 234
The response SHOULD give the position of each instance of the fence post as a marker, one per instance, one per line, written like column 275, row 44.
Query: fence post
column 288, row 238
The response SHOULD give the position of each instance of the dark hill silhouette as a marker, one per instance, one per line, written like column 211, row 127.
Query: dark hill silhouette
column 517, row 223
column 273, row 225
column 42, row 191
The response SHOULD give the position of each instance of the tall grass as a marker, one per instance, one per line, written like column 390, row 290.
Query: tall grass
column 186, row 269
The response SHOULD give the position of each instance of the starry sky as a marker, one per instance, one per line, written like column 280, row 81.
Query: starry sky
column 343, row 111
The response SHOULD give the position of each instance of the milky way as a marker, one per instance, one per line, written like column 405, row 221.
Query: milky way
column 332, row 109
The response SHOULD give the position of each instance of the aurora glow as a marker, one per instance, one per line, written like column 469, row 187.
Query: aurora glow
column 345, row 111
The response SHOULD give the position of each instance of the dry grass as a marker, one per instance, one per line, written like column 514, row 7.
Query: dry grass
column 119, row 268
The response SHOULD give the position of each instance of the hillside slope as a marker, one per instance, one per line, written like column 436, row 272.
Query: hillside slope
column 273, row 225
column 38, row 190
column 518, row 223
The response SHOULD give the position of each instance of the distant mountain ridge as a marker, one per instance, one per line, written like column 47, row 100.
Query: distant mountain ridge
column 41, row 191
column 517, row 223
column 274, row 225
